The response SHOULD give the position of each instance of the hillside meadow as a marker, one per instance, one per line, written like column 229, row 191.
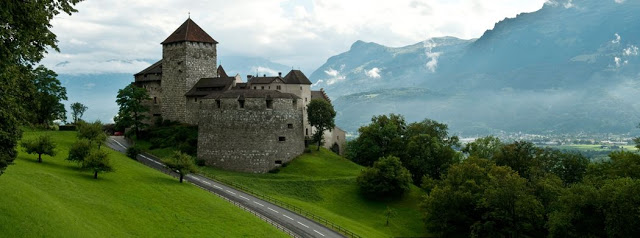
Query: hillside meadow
column 56, row 199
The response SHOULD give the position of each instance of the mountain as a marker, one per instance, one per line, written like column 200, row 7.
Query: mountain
column 570, row 67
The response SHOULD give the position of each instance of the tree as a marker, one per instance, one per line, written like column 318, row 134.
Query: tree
column 387, row 178
column 79, row 151
column 382, row 137
column 130, row 100
column 320, row 115
column 77, row 110
column 572, row 167
column 92, row 132
column 25, row 36
column 47, row 106
column 480, row 199
column 521, row 156
column 97, row 161
column 588, row 211
column 429, row 149
column 43, row 145
column 484, row 147
column 388, row 214
column 181, row 162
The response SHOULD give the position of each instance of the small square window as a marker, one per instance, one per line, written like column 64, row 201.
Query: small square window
column 290, row 126
column 241, row 103
column 279, row 162
column 282, row 138
column 269, row 104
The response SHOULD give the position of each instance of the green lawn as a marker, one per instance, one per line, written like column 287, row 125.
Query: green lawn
column 55, row 199
column 324, row 184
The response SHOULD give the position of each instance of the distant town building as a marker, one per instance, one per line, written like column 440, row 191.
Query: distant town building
column 251, row 126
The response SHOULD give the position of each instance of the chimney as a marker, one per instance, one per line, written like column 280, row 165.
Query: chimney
column 280, row 74
column 264, row 75
column 249, row 76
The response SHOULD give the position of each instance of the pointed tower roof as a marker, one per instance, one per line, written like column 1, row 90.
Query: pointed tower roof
column 296, row 77
column 189, row 31
column 221, row 72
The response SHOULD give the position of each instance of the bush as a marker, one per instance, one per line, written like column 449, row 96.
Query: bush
column 387, row 178
column 133, row 152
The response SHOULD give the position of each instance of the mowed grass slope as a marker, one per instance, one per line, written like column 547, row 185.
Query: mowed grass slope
column 55, row 199
column 325, row 184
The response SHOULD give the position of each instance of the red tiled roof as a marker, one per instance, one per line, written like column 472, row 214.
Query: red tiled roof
column 189, row 31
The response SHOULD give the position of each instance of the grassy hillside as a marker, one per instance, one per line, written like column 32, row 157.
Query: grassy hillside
column 324, row 184
column 55, row 199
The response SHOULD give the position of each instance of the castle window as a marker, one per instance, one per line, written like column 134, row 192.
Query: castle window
column 305, row 99
column 254, row 87
column 278, row 87
column 279, row 162
column 241, row 103
column 282, row 138
column 218, row 102
column 295, row 103
column 195, row 99
column 306, row 131
column 300, row 87
column 155, row 100
column 262, row 87
column 290, row 126
column 269, row 104
column 269, row 87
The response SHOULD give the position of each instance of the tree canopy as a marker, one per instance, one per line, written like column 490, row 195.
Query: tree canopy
column 320, row 115
column 25, row 36
column 47, row 105
column 42, row 145
column 181, row 162
column 97, row 161
column 131, row 113
column 77, row 111
column 387, row 178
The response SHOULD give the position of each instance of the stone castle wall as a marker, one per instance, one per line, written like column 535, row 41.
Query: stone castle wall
column 192, row 110
column 183, row 64
column 253, row 139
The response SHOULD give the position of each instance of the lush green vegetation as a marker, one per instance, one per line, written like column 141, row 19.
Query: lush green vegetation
column 57, row 199
column 324, row 183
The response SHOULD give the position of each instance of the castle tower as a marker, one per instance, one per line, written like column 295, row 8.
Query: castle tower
column 188, row 55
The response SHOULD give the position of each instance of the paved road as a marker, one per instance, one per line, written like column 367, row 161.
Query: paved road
column 297, row 224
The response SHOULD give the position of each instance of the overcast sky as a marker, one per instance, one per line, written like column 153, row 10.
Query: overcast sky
column 123, row 36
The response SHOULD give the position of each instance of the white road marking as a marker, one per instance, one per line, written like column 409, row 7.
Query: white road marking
column 231, row 192
column 272, row 210
column 114, row 140
column 287, row 217
column 303, row 224
column 258, row 203
column 206, row 182
column 244, row 197
column 151, row 160
column 217, row 186
column 318, row 232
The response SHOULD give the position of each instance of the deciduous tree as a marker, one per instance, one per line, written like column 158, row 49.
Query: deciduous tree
column 77, row 110
column 47, row 105
column 42, row 145
column 79, row 151
column 92, row 132
column 387, row 178
column 320, row 115
column 382, row 137
column 181, row 162
column 131, row 113
column 25, row 36
column 97, row 161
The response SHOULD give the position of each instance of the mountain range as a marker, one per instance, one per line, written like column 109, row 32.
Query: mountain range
column 570, row 67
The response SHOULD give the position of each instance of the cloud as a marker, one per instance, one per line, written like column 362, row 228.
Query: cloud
column 620, row 62
column 260, row 70
column 334, row 76
column 432, row 63
column 373, row 73
column 617, row 39
column 632, row 50
column 282, row 30
column 620, row 1
column 89, row 85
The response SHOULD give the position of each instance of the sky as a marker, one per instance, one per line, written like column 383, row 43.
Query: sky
column 123, row 36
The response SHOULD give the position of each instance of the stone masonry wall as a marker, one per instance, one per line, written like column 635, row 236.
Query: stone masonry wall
column 249, row 139
column 183, row 64
column 192, row 110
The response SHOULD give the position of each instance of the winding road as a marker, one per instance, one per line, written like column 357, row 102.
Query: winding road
column 290, row 222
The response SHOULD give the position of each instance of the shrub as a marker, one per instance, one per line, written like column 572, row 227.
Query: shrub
column 79, row 151
column 133, row 152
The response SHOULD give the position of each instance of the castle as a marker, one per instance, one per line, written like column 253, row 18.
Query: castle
column 252, row 126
